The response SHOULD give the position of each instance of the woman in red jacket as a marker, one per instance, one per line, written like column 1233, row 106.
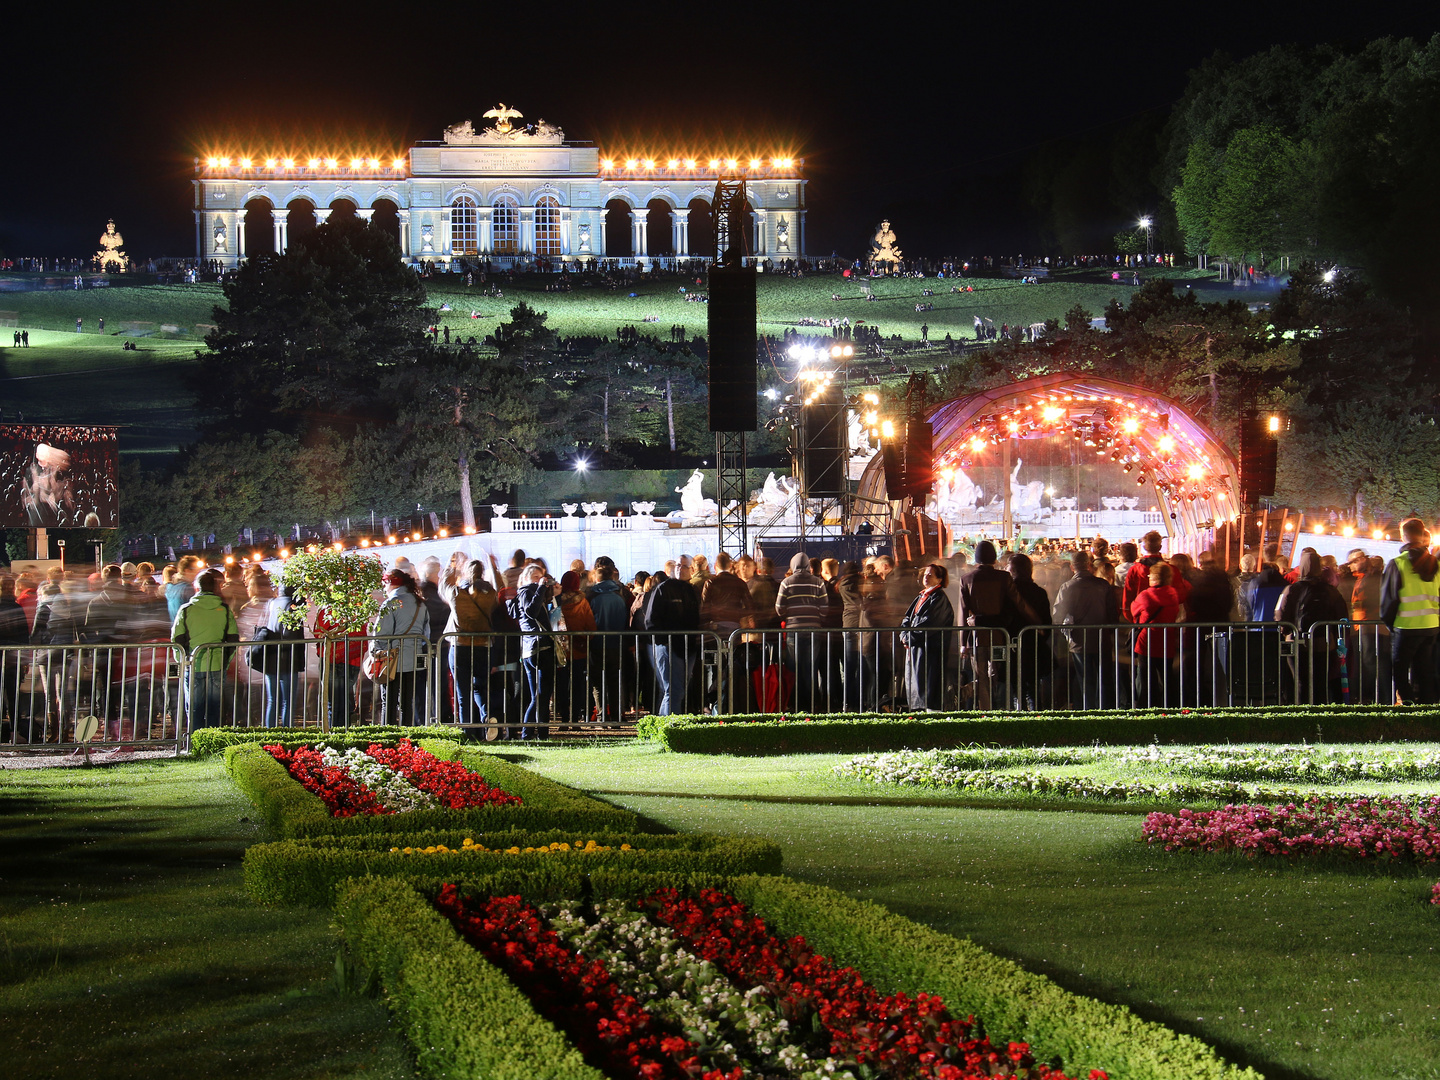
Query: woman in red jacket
column 1155, row 649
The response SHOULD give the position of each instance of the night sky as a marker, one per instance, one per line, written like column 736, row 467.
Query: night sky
column 893, row 106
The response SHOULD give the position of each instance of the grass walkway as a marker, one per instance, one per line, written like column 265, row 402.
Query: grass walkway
column 1299, row 971
column 128, row 949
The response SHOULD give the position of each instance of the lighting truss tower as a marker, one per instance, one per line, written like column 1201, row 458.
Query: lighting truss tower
column 731, row 317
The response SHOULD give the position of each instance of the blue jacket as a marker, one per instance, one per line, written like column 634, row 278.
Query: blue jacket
column 611, row 605
column 1262, row 592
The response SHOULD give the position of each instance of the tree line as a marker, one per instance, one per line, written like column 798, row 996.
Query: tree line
column 325, row 396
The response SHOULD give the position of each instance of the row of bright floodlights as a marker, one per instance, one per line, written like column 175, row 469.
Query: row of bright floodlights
column 374, row 164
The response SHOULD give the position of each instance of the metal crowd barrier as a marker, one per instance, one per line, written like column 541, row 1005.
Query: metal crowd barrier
column 134, row 691
column 306, row 682
column 869, row 669
column 577, row 682
column 1348, row 663
column 1122, row 665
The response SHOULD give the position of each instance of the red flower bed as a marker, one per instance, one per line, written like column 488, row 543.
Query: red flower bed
column 609, row 1027
column 896, row 1035
column 342, row 796
column 1360, row 829
column 450, row 782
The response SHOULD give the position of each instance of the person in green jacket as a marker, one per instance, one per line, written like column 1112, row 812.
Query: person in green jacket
column 205, row 620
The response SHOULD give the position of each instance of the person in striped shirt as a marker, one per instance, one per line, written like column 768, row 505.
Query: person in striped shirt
column 802, row 604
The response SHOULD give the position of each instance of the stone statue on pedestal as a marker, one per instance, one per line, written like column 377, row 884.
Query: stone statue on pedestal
column 110, row 256
column 884, row 255
column 693, row 504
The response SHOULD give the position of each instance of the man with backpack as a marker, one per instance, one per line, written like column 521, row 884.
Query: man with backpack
column 989, row 602
column 471, row 600
column 205, row 619
column 1311, row 600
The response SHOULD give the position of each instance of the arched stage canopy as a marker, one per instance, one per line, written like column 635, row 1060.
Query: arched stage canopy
column 1192, row 474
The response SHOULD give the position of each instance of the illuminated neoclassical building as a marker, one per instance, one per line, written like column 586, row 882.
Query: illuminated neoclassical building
column 509, row 194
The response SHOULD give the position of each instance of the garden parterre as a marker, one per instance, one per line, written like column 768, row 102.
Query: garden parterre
column 314, row 870
column 704, row 970
column 308, row 872
column 386, row 780
column 465, row 789
column 1147, row 774
column 681, row 986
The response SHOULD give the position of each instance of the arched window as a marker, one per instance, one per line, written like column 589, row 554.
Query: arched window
column 507, row 226
column 464, row 227
column 547, row 226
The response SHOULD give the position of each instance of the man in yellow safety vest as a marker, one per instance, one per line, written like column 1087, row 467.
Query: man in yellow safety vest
column 1410, row 606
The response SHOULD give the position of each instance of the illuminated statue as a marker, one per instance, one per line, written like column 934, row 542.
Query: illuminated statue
column 502, row 116
column 693, row 503
column 110, row 257
column 782, row 235
column 884, row 255
column 222, row 240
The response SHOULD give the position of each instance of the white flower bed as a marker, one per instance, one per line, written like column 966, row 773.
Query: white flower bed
column 975, row 770
column 394, row 792
column 1311, row 764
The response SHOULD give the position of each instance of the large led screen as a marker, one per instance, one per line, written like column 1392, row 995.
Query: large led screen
column 58, row 476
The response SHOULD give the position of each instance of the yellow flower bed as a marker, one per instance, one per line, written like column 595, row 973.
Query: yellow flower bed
column 589, row 847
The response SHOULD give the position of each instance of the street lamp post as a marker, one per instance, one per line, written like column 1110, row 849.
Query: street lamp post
column 1146, row 223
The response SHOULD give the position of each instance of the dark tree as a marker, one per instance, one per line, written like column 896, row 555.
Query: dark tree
column 312, row 336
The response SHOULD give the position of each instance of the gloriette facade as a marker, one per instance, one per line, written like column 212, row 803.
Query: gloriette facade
column 509, row 195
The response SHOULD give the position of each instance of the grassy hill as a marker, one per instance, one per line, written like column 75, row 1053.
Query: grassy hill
column 782, row 302
column 88, row 378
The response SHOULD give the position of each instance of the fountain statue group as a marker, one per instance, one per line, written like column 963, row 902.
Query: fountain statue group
column 960, row 500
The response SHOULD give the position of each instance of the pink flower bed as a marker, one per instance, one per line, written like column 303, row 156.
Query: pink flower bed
column 1357, row 829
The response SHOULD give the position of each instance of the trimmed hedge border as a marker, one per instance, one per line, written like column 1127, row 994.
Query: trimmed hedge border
column 857, row 734
column 461, row 1014
column 294, row 813
column 305, row 873
column 207, row 742
column 428, row 973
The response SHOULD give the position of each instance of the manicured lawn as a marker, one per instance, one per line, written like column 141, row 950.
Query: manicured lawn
column 129, row 949
column 150, row 310
column 89, row 379
column 782, row 302
column 1299, row 971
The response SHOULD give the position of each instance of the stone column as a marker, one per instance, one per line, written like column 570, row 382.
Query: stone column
column 637, row 225
column 365, row 215
column 527, row 229
column 442, row 241
column 565, row 227
column 762, row 247
column 484, row 216
column 240, row 234
column 282, row 231
column 405, row 251
column 681, row 219
column 322, row 215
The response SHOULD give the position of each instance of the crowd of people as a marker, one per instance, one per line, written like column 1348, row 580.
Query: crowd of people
column 517, row 649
